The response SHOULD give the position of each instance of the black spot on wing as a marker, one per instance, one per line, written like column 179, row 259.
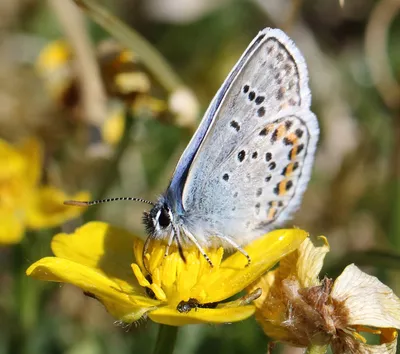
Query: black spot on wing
column 259, row 99
column 241, row 155
column 261, row 112
column 235, row 125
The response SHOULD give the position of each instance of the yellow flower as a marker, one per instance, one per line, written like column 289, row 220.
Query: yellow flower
column 23, row 202
column 54, row 66
column 298, row 308
column 123, row 78
column 114, row 126
column 106, row 262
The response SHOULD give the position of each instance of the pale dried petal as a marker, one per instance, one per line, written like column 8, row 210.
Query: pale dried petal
column 310, row 262
column 305, row 264
column 387, row 348
column 184, row 104
column 367, row 300
column 347, row 344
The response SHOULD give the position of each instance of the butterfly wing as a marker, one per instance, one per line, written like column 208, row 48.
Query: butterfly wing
column 175, row 189
column 252, row 156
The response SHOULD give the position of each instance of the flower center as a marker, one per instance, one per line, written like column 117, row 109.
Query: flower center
column 171, row 279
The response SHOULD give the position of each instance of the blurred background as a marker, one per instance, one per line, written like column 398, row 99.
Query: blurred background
column 109, row 126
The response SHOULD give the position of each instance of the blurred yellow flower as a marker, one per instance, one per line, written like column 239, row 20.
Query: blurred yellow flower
column 54, row 66
column 114, row 126
column 24, row 203
column 298, row 308
column 106, row 262
column 122, row 74
column 126, row 83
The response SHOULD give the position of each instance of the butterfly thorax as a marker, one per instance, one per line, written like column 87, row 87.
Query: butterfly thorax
column 165, row 223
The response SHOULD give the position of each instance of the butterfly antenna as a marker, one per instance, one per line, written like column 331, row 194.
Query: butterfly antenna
column 94, row 202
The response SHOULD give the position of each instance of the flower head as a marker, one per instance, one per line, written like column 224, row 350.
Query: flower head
column 52, row 66
column 123, row 75
column 298, row 308
column 24, row 203
column 106, row 262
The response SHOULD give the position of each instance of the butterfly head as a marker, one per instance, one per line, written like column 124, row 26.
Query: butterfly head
column 158, row 221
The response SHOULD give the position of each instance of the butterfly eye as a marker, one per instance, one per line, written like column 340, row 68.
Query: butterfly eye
column 164, row 219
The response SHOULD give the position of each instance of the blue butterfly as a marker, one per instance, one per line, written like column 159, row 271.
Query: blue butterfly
column 249, row 162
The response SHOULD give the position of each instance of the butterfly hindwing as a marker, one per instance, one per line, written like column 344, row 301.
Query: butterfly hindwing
column 259, row 183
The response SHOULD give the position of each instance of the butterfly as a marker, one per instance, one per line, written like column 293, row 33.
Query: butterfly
column 248, row 164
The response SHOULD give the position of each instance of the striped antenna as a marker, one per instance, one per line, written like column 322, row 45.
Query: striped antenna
column 94, row 202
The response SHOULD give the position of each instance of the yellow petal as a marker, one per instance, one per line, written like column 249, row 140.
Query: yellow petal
column 114, row 126
column 54, row 66
column 100, row 245
column 234, row 275
column 12, row 163
column 31, row 150
column 172, row 317
column 12, row 228
column 53, row 56
column 47, row 209
column 93, row 281
column 368, row 301
column 65, row 271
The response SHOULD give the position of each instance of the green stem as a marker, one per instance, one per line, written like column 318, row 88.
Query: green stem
column 131, row 39
column 317, row 349
column 27, row 291
column 166, row 340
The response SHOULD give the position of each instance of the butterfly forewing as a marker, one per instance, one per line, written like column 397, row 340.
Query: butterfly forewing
column 255, row 159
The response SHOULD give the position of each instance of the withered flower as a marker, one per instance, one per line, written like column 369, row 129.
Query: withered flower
column 299, row 309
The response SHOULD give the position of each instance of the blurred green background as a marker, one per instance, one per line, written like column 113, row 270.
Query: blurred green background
column 353, row 197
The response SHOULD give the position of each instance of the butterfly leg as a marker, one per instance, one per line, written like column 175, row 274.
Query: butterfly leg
column 193, row 239
column 171, row 237
column 175, row 234
column 237, row 247
column 178, row 241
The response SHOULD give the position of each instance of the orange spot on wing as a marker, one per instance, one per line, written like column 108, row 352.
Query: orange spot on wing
column 271, row 213
column 269, row 128
column 292, row 138
column 281, row 130
column 282, row 187
column 293, row 153
column 289, row 169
